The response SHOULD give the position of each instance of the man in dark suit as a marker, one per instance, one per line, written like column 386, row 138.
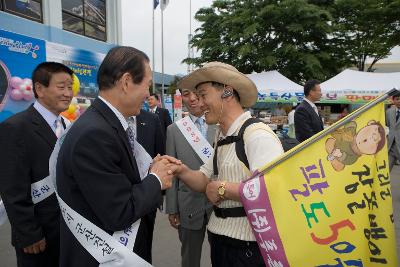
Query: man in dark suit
column 162, row 113
column 27, row 140
column 149, row 133
column 393, row 122
column 97, row 174
column 307, row 120
column 150, row 136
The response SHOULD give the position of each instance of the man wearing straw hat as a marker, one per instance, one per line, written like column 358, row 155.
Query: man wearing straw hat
column 224, row 92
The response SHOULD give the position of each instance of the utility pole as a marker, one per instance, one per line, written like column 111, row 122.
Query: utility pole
column 190, row 66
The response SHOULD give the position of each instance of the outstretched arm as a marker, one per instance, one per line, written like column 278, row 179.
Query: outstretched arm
column 195, row 180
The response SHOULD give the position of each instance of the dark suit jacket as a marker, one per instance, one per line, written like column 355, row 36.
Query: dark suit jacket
column 98, row 177
column 165, row 119
column 306, row 122
column 150, row 136
column 26, row 142
column 149, row 133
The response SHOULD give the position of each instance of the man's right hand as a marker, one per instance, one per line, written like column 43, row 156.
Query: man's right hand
column 36, row 248
column 174, row 220
column 164, row 167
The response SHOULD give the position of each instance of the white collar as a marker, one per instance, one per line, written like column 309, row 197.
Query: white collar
column 237, row 123
column 49, row 116
column 119, row 115
column 309, row 102
column 312, row 105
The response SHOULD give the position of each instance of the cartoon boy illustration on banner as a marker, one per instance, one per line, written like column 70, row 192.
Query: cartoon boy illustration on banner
column 346, row 144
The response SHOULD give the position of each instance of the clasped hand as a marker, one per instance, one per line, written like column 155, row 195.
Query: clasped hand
column 165, row 168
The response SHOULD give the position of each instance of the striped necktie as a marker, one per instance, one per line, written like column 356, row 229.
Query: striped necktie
column 131, row 132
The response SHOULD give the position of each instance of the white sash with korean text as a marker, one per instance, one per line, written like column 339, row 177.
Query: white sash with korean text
column 195, row 139
column 110, row 251
column 42, row 190
column 39, row 191
column 143, row 160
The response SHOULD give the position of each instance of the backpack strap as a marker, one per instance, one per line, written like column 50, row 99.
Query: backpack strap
column 239, row 146
column 240, row 151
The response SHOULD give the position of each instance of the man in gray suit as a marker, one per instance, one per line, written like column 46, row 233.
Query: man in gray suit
column 188, row 210
column 393, row 122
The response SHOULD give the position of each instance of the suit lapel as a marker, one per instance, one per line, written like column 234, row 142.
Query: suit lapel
column 41, row 127
column 116, row 124
column 140, row 129
column 314, row 114
column 394, row 118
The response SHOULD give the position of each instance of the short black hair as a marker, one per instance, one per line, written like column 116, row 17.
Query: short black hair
column 118, row 61
column 44, row 71
column 397, row 94
column 310, row 85
column 155, row 95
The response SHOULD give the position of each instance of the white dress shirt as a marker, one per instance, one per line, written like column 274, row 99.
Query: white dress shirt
column 47, row 115
column 312, row 105
column 153, row 110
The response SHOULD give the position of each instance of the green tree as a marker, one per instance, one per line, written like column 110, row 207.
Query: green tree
column 302, row 39
column 368, row 28
column 173, row 85
column 299, row 40
column 256, row 35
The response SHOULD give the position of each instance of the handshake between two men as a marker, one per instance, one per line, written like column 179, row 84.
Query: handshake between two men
column 167, row 167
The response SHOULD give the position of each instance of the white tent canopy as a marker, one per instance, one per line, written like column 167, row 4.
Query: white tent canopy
column 348, row 87
column 273, row 81
column 362, row 81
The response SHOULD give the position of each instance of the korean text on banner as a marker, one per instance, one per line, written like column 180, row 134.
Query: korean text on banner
column 330, row 204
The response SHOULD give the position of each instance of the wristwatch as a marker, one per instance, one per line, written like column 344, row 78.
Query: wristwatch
column 221, row 190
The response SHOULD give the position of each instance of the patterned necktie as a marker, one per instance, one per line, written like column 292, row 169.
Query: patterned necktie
column 397, row 115
column 131, row 132
column 200, row 125
column 59, row 127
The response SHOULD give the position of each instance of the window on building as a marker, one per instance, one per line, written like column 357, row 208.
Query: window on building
column 29, row 9
column 85, row 17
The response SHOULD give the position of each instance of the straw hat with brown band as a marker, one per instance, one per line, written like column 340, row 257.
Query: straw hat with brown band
column 225, row 74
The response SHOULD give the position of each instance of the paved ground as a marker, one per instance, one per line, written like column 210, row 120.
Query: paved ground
column 166, row 246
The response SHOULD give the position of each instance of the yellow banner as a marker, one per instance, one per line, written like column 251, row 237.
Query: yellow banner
column 329, row 204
